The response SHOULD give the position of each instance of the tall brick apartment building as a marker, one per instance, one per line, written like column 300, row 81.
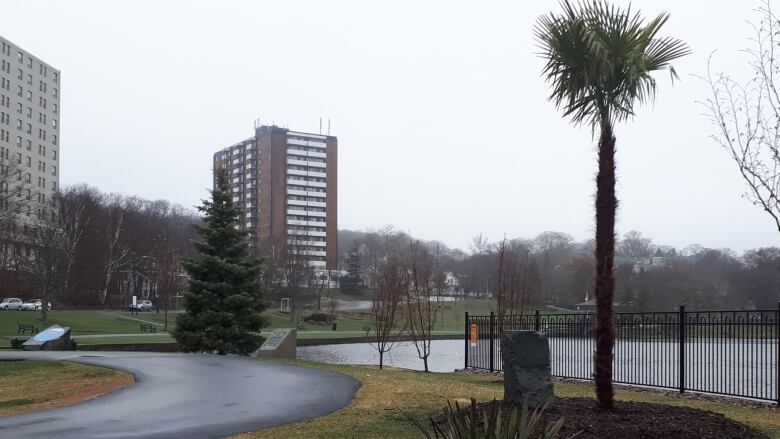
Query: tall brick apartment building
column 286, row 183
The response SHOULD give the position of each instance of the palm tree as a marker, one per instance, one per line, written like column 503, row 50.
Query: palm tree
column 598, row 61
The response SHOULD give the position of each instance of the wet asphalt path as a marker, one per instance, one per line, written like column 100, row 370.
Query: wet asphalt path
column 185, row 396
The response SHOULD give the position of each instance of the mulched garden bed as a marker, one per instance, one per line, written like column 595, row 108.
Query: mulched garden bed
column 635, row 420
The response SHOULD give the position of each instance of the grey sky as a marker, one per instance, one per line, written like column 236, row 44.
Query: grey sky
column 443, row 124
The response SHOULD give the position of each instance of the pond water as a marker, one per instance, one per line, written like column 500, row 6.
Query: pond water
column 736, row 367
column 446, row 355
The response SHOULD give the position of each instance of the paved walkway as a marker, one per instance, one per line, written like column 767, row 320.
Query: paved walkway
column 185, row 395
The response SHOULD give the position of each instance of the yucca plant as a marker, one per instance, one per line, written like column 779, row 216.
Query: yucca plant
column 520, row 424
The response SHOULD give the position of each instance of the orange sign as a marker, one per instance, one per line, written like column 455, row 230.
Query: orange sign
column 473, row 334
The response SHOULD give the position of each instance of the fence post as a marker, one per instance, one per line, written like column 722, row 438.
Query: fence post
column 537, row 322
column 466, row 338
column 681, row 319
column 777, row 355
column 492, row 325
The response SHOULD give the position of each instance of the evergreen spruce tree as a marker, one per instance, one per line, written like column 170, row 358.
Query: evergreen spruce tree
column 225, row 299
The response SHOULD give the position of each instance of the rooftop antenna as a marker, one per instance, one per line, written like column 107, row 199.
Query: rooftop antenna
column 320, row 124
column 329, row 126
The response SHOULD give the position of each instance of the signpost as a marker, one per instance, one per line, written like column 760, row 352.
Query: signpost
column 473, row 335
column 134, row 309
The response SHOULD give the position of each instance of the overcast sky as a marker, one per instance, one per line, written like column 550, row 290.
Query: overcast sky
column 443, row 124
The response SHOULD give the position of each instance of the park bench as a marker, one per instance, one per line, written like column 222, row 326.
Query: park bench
column 25, row 328
column 300, row 328
column 145, row 327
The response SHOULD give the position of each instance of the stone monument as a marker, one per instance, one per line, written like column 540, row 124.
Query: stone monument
column 280, row 344
column 527, row 376
column 53, row 338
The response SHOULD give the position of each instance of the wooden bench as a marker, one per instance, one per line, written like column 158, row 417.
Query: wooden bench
column 145, row 327
column 25, row 328
column 300, row 328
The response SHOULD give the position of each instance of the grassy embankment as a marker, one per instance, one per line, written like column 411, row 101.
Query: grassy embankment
column 103, row 327
column 37, row 385
column 374, row 412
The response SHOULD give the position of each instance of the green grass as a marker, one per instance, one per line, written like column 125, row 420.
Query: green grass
column 350, row 324
column 36, row 384
column 374, row 412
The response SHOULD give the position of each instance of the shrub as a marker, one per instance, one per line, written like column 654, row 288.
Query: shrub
column 317, row 317
column 463, row 424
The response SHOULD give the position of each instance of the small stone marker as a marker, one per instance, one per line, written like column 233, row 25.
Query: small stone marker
column 53, row 338
column 280, row 344
column 527, row 376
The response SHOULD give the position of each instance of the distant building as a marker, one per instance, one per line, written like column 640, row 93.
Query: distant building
column 286, row 182
column 450, row 285
column 29, row 128
column 652, row 263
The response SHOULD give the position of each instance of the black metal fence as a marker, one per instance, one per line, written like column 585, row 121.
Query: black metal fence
column 734, row 353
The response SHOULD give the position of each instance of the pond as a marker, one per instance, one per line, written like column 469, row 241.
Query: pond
column 446, row 355
column 737, row 367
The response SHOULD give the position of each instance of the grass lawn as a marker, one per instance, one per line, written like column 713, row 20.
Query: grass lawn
column 36, row 385
column 350, row 324
column 374, row 414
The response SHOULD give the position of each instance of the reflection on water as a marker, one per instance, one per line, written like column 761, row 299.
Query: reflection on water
column 446, row 355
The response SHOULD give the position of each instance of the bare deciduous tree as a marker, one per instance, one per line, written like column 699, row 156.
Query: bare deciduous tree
column 117, row 248
column 746, row 115
column 421, row 299
column 73, row 221
column 513, row 291
column 44, row 263
column 386, row 306
column 294, row 270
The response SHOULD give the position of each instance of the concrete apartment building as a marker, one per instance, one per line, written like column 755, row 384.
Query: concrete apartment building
column 286, row 183
column 29, row 127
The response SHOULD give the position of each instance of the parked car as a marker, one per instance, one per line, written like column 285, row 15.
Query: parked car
column 143, row 305
column 10, row 303
column 33, row 305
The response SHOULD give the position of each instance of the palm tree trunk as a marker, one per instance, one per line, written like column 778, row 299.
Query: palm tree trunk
column 606, row 205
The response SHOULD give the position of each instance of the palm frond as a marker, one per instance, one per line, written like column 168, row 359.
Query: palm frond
column 599, row 59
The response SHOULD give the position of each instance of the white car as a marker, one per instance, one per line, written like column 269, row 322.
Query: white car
column 144, row 305
column 10, row 303
column 33, row 305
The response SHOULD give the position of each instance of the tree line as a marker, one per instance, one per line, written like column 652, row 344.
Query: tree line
column 554, row 269
column 87, row 248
